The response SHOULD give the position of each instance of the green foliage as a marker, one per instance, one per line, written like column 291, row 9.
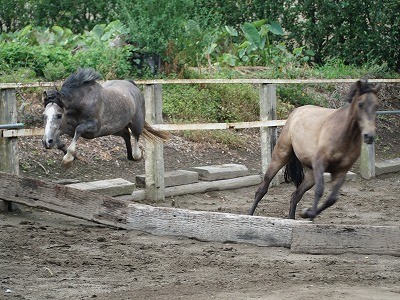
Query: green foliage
column 78, row 15
column 53, row 53
column 210, row 103
column 152, row 23
column 200, row 32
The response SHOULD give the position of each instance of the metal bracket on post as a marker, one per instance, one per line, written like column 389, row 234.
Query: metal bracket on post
column 268, row 134
column 154, row 163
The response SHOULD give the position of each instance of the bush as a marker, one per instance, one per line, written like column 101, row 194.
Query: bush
column 211, row 103
column 53, row 53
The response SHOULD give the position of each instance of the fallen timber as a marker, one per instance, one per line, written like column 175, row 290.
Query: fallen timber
column 300, row 236
column 201, row 225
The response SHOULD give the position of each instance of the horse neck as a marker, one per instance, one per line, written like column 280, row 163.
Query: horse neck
column 352, row 130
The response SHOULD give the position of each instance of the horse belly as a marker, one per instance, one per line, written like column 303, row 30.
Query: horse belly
column 305, row 127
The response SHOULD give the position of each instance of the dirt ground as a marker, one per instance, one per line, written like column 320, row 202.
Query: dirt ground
column 45, row 255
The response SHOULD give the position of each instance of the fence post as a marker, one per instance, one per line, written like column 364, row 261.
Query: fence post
column 154, row 163
column 367, row 161
column 9, row 159
column 268, row 134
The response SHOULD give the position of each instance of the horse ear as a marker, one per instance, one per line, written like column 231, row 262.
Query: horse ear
column 377, row 87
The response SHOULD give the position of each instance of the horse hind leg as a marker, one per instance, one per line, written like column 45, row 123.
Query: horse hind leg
column 278, row 160
column 136, row 152
column 126, row 135
column 297, row 195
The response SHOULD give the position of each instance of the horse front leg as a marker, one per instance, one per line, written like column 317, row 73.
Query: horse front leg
column 337, row 182
column 79, row 131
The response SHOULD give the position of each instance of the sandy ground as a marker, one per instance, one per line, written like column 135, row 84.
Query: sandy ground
column 45, row 255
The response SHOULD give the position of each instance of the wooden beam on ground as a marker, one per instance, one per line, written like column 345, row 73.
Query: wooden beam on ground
column 199, row 187
column 338, row 239
column 206, row 226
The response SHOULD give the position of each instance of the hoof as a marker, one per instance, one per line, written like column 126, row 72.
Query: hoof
column 304, row 213
column 67, row 160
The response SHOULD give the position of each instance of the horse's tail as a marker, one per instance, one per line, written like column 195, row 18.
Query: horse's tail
column 294, row 171
column 152, row 133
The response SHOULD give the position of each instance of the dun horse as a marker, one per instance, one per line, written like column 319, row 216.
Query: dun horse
column 315, row 140
column 85, row 108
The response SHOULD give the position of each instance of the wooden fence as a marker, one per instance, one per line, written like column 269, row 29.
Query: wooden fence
column 154, row 164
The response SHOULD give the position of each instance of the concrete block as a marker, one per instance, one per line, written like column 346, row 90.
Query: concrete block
column 173, row 178
column 387, row 166
column 110, row 187
column 220, row 172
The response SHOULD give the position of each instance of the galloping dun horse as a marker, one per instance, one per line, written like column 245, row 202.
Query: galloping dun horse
column 315, row 140
column 85, row 108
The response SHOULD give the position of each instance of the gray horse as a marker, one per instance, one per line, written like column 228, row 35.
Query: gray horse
column 85, row 108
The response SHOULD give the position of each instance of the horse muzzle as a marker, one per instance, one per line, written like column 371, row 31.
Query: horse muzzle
column 368, row 138
column 48, row 144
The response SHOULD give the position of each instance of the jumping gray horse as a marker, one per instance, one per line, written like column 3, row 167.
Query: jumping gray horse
column 85, row 108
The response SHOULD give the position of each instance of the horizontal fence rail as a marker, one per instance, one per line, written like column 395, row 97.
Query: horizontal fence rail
column 208, row 81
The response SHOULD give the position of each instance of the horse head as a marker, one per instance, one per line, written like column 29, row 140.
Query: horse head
column 363, row 97
column 54, row 118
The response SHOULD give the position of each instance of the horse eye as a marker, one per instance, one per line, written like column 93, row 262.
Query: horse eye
column 361, row 104
column 59, row 116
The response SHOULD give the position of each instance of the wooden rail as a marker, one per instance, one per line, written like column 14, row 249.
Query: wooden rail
column 154, row 151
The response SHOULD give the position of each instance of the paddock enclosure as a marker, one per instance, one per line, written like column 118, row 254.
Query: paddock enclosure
column 56, row 256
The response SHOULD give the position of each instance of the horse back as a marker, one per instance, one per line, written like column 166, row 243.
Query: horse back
column 120, row 103
column 309, row 132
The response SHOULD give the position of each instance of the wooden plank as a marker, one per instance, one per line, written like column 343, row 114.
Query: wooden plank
column 22, row 132
column 50, row 196
column 207, row 226
column 215, row 126
column 167, row 127
column 209, row 81
column 338, row 239
column 211, row 226
column 200, row 187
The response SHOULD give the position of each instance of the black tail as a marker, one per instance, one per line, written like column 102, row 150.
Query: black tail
column 294, row 171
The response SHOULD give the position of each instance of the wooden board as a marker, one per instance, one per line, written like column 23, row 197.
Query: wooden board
column 208, row 81
column 21, row 132
column 206, row 226
column 338, row 239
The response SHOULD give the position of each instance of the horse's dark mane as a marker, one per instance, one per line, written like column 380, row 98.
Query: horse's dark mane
column 78, row 79
column 362, row 86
